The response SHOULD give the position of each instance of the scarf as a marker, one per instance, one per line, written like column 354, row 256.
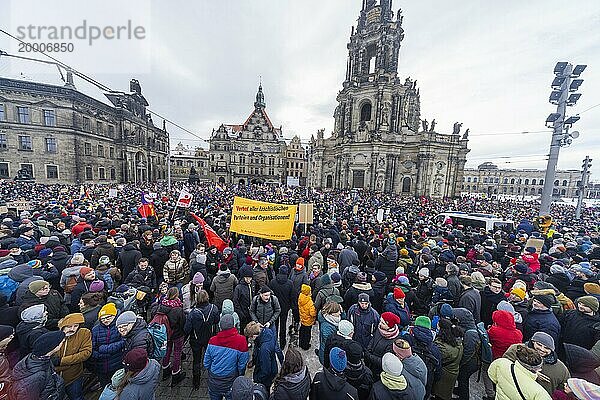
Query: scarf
column 393, row 382
column 172, row 303
column 389, row 334
column 333, row 319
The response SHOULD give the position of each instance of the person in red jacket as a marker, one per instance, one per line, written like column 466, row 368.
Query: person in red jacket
column 503, row 333
column 79, row 227
column 531, row 257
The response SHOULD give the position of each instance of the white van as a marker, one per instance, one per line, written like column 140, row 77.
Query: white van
column 490, row 222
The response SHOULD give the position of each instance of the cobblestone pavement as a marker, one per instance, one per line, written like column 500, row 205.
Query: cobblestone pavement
column 184, row 391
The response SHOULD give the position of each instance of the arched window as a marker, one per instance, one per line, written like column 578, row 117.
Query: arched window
column 505, row 180
column 524, row 190
column 469, row 179
column 541, row 181
column 540, row 191
column 468, row 187
column 496, row 180
column 512, row 181
column 329, row 183
column 365, row 112
column 527, row 181
column 563, row 192
column 556, row 182
column 533, row 181
column 406, row 185
column 564, row 183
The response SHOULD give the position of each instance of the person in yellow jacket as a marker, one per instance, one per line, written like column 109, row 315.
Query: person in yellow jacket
column 517, row 381
column 74, row 351
column 308, row 316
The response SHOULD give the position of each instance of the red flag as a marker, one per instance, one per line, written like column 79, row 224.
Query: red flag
column 212, row 237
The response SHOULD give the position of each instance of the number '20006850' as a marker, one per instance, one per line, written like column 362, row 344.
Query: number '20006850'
column 46, row 47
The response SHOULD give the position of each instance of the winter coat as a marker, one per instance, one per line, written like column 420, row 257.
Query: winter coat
column 421, row 340
column 225, row 359
column 553, row 368
column 582, row 363
column 74, row 351
column 138, row 278
column 415, row 372
column 143, row 385
column 242, row 299
column 157, row 260
column 213, row 261
column 222, row 286
column 265, row 312
column 82, row 287
column 103, row 249
column 365, row 323
column 34, row 378
column 503, row 333
column 326, row 329
column 500, row 373
column 451, row 357
column 55, row 306
column 27, row 333
column 90, row 316
column 128, row 259
column 139, row 337
column 298, row 279
column 580, row 329
column 471, row 300
column 560, row 281
column 575, row 289
column 489, row 302
column 454, row 286
column 533, row 262
column 200, row 324
column 107, row 349
column 229, row 309
column 381, row 392
column 9, row 315
column 5, row 377
column 376, row 349
column 335, row 340
column 282, row 287
column 351, row 296
column 306, row 307
column 361, row 378
column 294, row 386
column 379, row 291
column 60, row 260
column 391, row 304
column 176, row 319
column 265, row 355
column 261, row 276
column 471, row 340
column 331, row 385
column 541, row 321
column 175, row 271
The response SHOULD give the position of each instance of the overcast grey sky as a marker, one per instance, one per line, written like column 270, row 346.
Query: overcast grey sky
column 487, row 64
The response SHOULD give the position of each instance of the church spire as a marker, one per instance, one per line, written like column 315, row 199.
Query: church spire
column 260, row 97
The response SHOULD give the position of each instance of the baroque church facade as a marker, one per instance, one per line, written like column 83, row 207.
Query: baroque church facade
column 379, row 141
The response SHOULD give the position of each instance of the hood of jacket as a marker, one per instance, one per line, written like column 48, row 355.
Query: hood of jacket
column 423, row 335
column 150, row 371
column 20, row 272
column 465, row 318
column 333, row 381
column 222, row 276
column 579, row 359
column 31, row 365
column 297, row 377
column 227, row 307
column 281, row 278
column 504, row 319
column 8, row 263
column 305, row 290
column 34, row 314
column 493, row 297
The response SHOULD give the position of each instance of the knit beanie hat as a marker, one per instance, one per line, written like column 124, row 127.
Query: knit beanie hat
column 391, row 364
column 136, row 360
column 337, row 359
column 300, row 261
column 589, row 301
column 336, row 279
column 398, row 293
column 345, row 328
column 97, row 286
column 361, row 277
column 77, row 259
column 423, row 321
column 424, row 272
column 36, row 286
column 390, row 319
column 446, row 311
column 441, row 282
column 198, row 278
column 35, row 264
column 242, row 388
column 117, row 377
column 127, row 317
column 45, row 253
column 583, row 389
column 226, row 322
column 84, row 271
column 591, row 288
column 92, row 299
column 6, row 331
column 47, row 342
column 520, row 293
column 354, row 352
column 363, row 298
column 546, row 299
column 107, row 309
column 402, row 348
column 544, row 339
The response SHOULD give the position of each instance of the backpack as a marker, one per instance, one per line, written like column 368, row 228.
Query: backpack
column 7, row 286
column 486, row 347
column 431, row 363
column 70, row 284
column 159, row 339
column 333, row 298
column 162, row 319
column 205, row 332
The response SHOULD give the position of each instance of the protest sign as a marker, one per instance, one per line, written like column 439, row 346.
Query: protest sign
column 261, row 219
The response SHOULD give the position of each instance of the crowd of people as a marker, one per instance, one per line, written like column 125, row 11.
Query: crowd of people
column 96, row 299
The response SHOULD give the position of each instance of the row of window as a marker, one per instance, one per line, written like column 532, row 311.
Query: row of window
column 514, row 181
column 25, row 143
column 52, row 171
column 189, row 163
column 295, row 165
column 511, row 190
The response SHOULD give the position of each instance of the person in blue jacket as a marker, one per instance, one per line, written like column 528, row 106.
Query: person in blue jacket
column 265, row 355
column 107, row 345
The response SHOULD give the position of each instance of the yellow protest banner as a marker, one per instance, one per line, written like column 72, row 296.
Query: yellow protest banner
column 261, row 219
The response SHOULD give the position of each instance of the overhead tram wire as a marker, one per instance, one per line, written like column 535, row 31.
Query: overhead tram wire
column 88, row 79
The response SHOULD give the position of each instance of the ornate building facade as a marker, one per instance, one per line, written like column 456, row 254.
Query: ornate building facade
column 490, row 180
column 379, row 141
column 184, row 158
column 58, row 134
column 251, row 152
column 296, row 160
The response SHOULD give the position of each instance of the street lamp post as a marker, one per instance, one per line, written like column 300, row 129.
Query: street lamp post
column 562, row 96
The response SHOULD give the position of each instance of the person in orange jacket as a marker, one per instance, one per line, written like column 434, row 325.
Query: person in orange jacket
column 308, row 316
